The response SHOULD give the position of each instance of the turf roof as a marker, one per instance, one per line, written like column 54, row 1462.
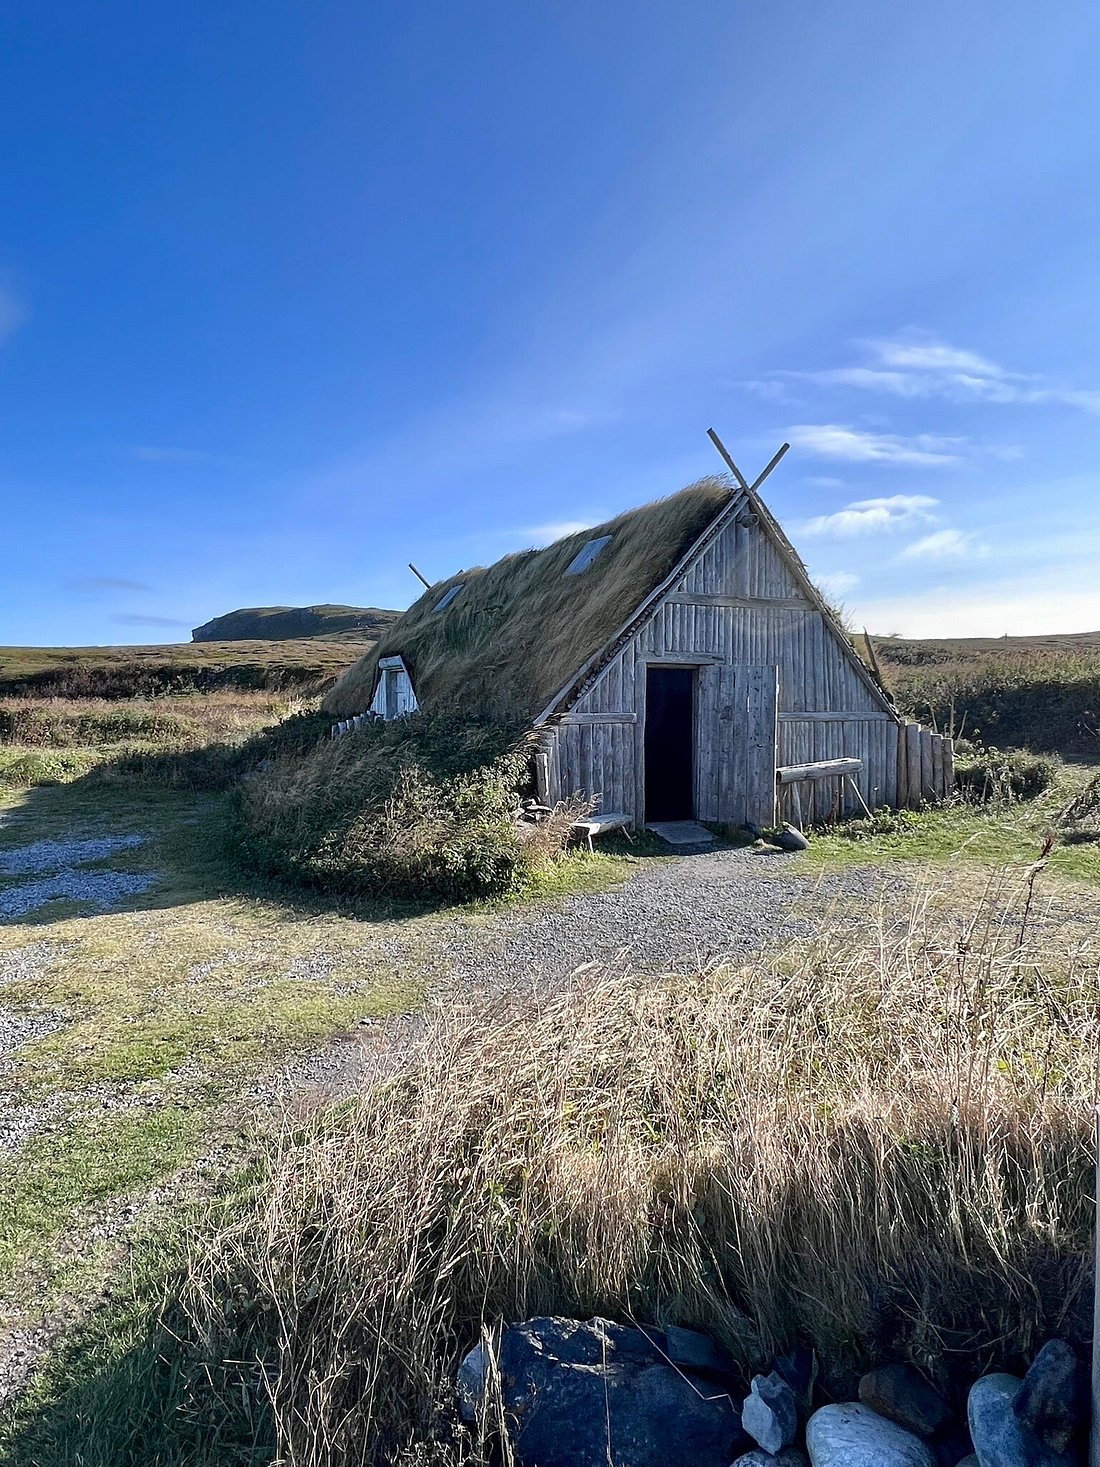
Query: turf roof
column 518, row 630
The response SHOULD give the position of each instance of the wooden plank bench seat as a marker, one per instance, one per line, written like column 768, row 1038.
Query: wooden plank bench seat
column 592, row 825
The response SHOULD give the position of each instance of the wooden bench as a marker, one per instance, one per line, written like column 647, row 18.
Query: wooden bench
column 593, row 825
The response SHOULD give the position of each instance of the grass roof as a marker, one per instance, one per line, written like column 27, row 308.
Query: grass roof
column 519, row 629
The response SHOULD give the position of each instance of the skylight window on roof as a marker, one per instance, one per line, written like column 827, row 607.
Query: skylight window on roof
column 586, row 555
column 448, row 596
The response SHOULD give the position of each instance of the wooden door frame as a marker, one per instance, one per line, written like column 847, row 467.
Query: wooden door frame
column 642, row 664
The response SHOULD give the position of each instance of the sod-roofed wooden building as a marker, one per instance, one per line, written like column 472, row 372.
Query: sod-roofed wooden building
column 677, row 663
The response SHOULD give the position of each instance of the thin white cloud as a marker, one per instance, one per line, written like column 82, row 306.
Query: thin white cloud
column 915, row 364
column 837, row 583
column 870, row 516
column 856, row 445
column 13, row 311
column 945, row 545
column 540, row 535
column 1013, row 608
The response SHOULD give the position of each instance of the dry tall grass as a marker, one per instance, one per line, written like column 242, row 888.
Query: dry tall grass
column 879, row 1143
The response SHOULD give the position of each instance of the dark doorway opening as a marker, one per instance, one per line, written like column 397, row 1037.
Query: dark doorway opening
column 669, row 743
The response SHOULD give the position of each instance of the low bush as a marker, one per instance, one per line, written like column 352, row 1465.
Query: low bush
column 1047, row 700
column 414, row 809
column 1003, row 774
column 879, row 1144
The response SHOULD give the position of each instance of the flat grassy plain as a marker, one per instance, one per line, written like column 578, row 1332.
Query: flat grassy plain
column 124, row 672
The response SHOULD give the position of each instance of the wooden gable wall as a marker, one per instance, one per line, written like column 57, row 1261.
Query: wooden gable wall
column 738, row 605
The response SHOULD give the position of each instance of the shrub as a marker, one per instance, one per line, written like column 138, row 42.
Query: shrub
column 419, row 808
column 1044, row 699
column 1004, row 774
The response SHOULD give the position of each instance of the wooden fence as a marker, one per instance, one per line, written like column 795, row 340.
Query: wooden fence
column 926, row 766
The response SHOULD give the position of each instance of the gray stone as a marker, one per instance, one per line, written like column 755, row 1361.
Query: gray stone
column 799, row 1369
column 1054, row 1398
column 790, row 839
column 1000, row 1438
column 852, row 1435
column 788, row 1457
column 770, row 1412
column 900, row 1393
column 970, row 1461
column 470, row 1383
column 599, row 1394
column 694, row 1351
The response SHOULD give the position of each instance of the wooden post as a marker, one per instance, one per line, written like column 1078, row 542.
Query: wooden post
column 948, row 768
column 937, row 766
column 912, row 758
column 901, row 798
column 796, row 804
column 542, row 777
column 927, row 788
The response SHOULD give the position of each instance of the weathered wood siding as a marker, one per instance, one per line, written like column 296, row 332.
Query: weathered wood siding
column 737, row 606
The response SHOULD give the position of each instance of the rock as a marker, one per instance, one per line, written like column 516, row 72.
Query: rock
column 901, row 1394
column 788, row 1457
column 694, row 1351
column 770, row 1412
column 1000, row 1438
column 1054, row 1398
column 470, row 1383
column 799, row 1369
column 970, row 1461
column 950, row 1446
column 599, row 1394
column 790, row 839
column 852, row 1435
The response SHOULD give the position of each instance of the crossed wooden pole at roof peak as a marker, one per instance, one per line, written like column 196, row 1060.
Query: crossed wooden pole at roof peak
column 736, row 472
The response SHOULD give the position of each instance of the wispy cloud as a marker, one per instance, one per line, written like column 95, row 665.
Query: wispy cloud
column 540, row 535
column 837, row 583
column 945, row 545
column 93, row 584
column 858, row 446
column 868, row 516
column 13, row 310
column 915, row 364
column 137, row 619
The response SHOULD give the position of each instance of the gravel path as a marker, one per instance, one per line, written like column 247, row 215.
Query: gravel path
column 59, row 855
column 670, row 916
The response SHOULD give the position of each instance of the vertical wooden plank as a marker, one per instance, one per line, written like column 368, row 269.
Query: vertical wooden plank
column 901, row 798
column 639, row 742
column 948, row 768
column 937, row 766
column 763, row 714
column 913, row 761
column 927, row 790
column 542, row 777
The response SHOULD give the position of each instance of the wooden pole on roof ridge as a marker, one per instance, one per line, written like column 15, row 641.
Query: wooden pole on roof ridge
column 736, row 472
column 426, row 583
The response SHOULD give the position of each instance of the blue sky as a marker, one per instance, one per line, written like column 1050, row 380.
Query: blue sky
column 293, row 293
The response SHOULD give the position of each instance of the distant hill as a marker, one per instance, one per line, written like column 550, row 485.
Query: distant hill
column 284, row 623
column 926, row 651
